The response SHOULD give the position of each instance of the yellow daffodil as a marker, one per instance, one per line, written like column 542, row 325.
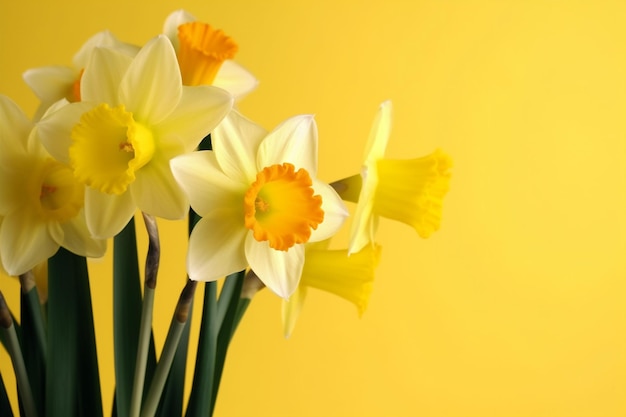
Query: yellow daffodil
column 410, row 191
column 349, row 277
column 53, row 83
column 41, row 203
column 259, row 200
column 133, row 117
column 205, row 55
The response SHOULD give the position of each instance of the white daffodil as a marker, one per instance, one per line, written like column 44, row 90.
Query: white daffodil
column 53, row 83
column 410, row 191
column 41, row 203
column 134, row 116
column 259, row 200
column 205, row 55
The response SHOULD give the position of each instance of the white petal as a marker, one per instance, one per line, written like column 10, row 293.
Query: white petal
column 107, row 214
column 279, row 270
column 363, row 228
column 25, row 241
column 152, row 86
column 205, row 184
column 12, row 184
column 105, row 39
column 365, row 223
column 78, row 240
column 55, row 129
column 50, row 83
column 14, row 124
column 200, row 109
column 155, row 190
column 335, row 212
column 292, row 308
column 102, row 77
column 173, row 21
column 216, row 246
column 293, row 141
column 15, row 159
column 236, row 142
column 235, row 79
column 379, row 133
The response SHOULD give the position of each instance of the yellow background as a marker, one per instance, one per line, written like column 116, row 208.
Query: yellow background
column 516, row 307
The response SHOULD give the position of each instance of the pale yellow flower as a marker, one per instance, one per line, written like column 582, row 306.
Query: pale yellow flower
column 41, row 203
column 53, row 83
column 410, row 191
column 135, row 115
column 259, row 200
column 205, row 55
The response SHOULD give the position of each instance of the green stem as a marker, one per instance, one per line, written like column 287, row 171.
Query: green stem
column 169, row 350
column 200, row 400
column 13, row 347
column 242, row 307
column 145, row 326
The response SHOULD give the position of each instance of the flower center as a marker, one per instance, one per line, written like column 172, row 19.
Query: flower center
column 108, row 147
column 201, row 52
column 280, row 207
column 59, row 195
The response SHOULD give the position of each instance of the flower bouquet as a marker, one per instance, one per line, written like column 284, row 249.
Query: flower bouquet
column 155, row 130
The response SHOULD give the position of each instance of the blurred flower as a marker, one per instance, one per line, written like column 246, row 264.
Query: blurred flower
column 259, row 201
column 53, row 83
column 134, row 116
column 41, row 203
column 333, row 271
column 205, row 55
column 410, row 191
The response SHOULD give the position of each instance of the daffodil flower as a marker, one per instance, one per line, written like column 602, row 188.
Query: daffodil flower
column 410, row 191
column 41, row 203
column 259, row 200
column 134, row 116
column 205, row 55
column 53, row 83
column 333, row 271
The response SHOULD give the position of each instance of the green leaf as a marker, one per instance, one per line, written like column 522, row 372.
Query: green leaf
column 202, row 388
column 177, row 327
column 5, row 404
column 126, row 318
column 33, row 346
column 226, row 329
column 172, row 397
column 72, row 378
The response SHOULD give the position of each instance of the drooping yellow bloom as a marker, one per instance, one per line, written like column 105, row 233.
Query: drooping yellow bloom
column 53, row 83
column 134, row 116
column 349, row 277
column 205, row 55
column 41, row 203
column 259, row 200
column 410, row 191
